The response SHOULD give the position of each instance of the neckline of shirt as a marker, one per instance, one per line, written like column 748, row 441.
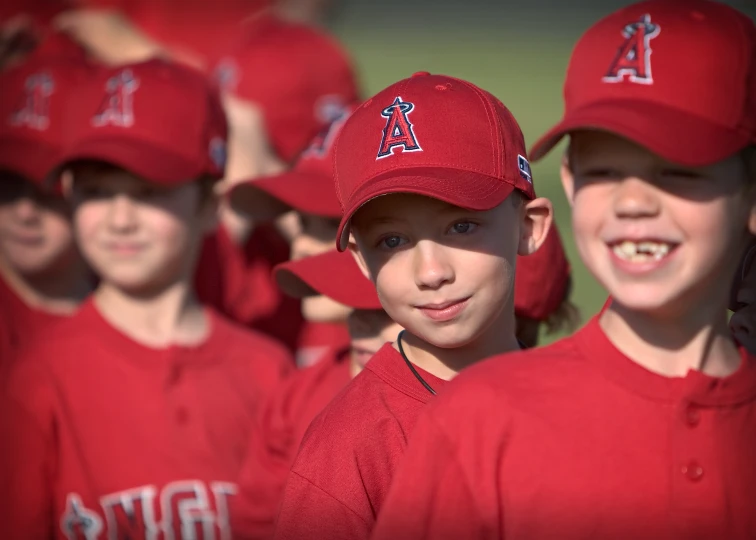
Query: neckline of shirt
column 696, row 386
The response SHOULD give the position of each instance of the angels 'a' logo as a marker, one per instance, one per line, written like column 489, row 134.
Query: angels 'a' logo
column 398, row 131
column 34, row 110
column 117, row 107
column 321, row 144
column 633, row 59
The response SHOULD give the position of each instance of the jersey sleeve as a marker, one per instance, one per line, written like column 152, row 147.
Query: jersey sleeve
column 307, row 512
column 27, row 458
column 262, row 479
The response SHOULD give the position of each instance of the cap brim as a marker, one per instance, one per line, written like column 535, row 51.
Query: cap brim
column 673, row 134
column 332, row 274
column 305, row 192
column 148, row 161
column 34, row 160
column 466, row 189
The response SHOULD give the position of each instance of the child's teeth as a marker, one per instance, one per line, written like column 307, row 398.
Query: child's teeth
column 641, row 251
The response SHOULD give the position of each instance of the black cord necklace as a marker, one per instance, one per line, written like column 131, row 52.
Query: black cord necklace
column 409, row 364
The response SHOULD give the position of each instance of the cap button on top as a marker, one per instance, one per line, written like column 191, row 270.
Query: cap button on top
column 421, row 74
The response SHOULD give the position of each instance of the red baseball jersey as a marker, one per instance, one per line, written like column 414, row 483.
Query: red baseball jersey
column 22, row 322
column 276, row 439
column 344, row 468
column 577, row 441
column 107, row 438
column 238, row 282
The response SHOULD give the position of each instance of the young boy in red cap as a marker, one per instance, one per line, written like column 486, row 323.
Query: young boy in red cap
column 433, row 179
column 643, row 423
column 287, row 416
column 168, row 387
column 43, row 277
column 308, row 190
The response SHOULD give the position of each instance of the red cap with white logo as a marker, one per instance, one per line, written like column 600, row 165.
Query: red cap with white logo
column 34, row 97
column 308, row 187
column 430, row 135
column 299, row 76
column 160, row 120
column 675, row 76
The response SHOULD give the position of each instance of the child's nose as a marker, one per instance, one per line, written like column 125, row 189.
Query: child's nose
column 431, row 265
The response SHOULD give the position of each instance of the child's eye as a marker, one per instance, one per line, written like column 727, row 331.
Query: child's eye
column 391, row 242
column 463, row 227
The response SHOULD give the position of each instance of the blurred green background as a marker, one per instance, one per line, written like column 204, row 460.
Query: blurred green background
column 516, row 50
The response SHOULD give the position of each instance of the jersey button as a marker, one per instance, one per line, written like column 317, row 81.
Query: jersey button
column 693, row 471
column 692, row 416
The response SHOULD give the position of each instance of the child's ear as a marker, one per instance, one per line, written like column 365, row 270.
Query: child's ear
column 568, row 178
column 537, row 217
column 357, row 254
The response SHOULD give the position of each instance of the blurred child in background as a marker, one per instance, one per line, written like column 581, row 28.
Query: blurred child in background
column 142, row 402
column 43, row 277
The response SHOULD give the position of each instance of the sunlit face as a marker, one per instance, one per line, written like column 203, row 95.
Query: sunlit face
column 137, row 236
column 36, row 235
column 442, row 272
column 317, row 235
column 369, row 330
column 659, row 237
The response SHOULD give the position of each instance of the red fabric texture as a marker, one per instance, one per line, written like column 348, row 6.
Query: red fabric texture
column 575, row 440
column 347, row 460
column 276, row 439
column 92, row 421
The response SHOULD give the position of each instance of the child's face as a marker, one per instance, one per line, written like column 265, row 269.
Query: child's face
column 36, row 236
column 444, row 273
column 743, row 321
column 317, row 235
column 369, row 330
column 658, row 236
column 138, row 237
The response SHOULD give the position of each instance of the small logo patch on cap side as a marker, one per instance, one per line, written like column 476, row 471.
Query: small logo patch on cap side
column 633, row 59
column 117, row 107
column 524, row 166
column 399, row 131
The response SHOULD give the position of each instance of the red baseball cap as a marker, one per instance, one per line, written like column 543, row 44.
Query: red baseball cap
column 308, row 187
column 675, row 76
column 332, row 274
column 160, row 120
column 34, row 97
column 300, row 77
column 431, row 135
column 542, row 278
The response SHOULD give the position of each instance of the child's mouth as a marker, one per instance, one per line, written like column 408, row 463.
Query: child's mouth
column 642, row 251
